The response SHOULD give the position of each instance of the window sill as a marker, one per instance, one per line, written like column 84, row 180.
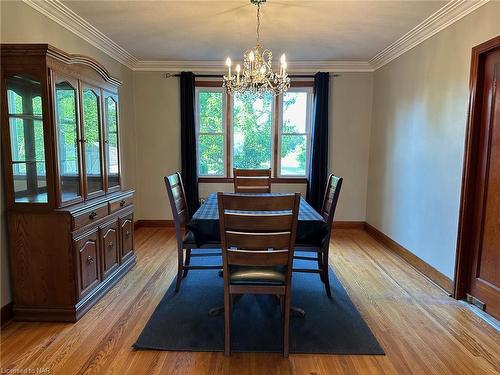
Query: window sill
column 274, row 180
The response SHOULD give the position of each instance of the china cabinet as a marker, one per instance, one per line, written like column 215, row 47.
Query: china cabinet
column 70, row 223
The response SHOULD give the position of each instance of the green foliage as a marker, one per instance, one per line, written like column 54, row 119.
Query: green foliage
column 252, row 134
column 253, row 121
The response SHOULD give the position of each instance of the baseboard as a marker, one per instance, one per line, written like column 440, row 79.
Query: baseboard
column 6, row 314
column 423, row 267
column 154, row 223
column 348, row 224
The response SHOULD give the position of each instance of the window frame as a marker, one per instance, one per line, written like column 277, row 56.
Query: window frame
column 227, row 125
column 224, row 133
column 309, row 106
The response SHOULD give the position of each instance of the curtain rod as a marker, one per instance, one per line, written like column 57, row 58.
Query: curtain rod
column 168, row 75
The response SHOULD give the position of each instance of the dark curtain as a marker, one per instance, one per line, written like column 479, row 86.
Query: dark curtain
column 188, row 142
column 318, row 163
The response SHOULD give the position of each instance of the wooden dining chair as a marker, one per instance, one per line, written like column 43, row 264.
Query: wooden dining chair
column 252, row 180
column 185, row 238
column 330, row 200
column 257, row 251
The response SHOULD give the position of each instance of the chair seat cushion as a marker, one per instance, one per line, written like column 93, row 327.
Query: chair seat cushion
column 257, row 275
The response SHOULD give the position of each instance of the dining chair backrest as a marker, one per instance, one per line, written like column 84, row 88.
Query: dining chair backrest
column 331, row 198
column 178, row 204
column 258, row 230
column 252, row 180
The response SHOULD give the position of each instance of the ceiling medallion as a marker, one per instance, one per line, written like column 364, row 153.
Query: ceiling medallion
column 257, row 75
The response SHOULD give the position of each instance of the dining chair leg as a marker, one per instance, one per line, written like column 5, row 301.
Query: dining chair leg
column 227, row 323
column 286, row 324
column 325, row 274
column 180, row 256
column 187, row 262
column 320, row 265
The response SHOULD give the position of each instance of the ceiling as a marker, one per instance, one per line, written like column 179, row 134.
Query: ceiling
column 211, row 30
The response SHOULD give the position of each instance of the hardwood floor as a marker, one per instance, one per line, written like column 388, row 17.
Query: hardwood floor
column 422, row 330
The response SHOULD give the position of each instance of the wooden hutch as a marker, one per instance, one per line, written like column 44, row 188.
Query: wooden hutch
column 70, row 223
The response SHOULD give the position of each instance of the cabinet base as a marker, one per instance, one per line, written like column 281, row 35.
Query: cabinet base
column 74, row 313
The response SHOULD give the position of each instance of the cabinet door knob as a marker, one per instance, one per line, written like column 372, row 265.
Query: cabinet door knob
column 122, row 203
column 110, row 244
column 90, row 260
column 127, row 233
column 92, row 215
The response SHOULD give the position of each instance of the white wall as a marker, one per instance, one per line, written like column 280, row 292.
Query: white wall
column 420, row 105
column 22, row 24
column 157, row 110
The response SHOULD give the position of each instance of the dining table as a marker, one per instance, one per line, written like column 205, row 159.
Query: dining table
column 311, row 227
column 204, row 224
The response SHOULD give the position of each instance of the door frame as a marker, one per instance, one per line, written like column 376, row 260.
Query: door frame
column 465, row 250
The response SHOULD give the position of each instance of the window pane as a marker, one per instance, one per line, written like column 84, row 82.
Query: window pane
column 67, row 137
column 112, row 142
column 294, row 112
column 293, row 155
column 211, row 155
column 252, row 133
column 211, row 107
column 27, row 139
column 92, row 134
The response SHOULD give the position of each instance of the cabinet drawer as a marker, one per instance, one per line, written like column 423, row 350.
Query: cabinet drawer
column 118, row 204
column 109, row 248
column 127, row 236
column 88, row 216
column 88, row 262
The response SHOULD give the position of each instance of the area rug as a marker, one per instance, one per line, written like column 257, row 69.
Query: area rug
column 331, row 325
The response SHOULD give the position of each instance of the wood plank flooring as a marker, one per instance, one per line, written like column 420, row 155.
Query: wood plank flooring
column 422, row 330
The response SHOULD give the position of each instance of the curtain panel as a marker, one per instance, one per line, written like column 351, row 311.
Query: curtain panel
column 188, row 141
column 318, row 162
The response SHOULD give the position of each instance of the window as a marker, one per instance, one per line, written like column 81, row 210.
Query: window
column 295, row 123
column 211, row 131
column 253, row 131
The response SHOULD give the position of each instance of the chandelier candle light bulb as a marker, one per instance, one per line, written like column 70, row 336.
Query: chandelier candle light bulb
column 228, row 63
column 256, row 73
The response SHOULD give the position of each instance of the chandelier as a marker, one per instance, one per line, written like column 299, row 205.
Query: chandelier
column 257, row 75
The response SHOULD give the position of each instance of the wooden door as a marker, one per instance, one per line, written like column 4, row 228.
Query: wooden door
column 92, row 139
column 109, row 248
column 127, row 236
column 68, row 139
column 482, row 236
column 87, row 250
column 111, row 142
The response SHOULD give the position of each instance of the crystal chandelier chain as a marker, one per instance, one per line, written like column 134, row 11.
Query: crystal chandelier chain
column 258, row 24
column 257, row 75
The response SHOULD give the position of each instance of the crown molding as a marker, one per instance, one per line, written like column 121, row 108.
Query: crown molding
column 444, row 17
column 450, row 13
column 311, row 66
column 61, row 14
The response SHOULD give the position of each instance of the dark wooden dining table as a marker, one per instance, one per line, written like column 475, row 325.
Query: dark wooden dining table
column 311, row 228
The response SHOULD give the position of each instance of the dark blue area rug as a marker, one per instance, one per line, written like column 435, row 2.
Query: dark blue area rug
column 331, row 326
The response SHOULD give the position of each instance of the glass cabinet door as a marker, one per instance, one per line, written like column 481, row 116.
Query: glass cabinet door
column 65, row 102
column 111, row 142
column 24, row 103
column 91, row 115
